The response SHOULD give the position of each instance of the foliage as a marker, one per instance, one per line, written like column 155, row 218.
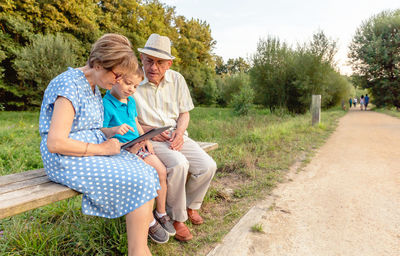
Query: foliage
column 391, row 111
column 271, row 73
column 242, row 101
column 284, row 77
column 39, row 62
column 375, row 53
column 229, row 86
column 232, row 66
column 25, row 24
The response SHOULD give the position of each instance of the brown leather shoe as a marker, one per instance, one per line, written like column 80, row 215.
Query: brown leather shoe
column 182, row 231
column 194, row 217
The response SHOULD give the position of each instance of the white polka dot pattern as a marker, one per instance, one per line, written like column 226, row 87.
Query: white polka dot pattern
column 112, row 186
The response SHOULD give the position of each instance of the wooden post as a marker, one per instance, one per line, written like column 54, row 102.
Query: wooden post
column 316, row 109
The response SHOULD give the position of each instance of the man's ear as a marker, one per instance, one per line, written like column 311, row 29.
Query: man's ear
column 169, row 63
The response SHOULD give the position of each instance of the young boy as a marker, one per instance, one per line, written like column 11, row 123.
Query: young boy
column 120, row 117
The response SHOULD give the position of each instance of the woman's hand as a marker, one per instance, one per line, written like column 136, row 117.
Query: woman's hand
column 110, row 147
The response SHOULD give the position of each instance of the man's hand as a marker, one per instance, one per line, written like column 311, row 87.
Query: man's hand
column 122, row 129
column 176, row 140
column 164, row 136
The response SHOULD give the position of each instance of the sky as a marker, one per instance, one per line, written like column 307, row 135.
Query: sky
column 237, row 26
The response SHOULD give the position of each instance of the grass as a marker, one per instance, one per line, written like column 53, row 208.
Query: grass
column 388, row 111
column 19, row 142
column 257, row 228
column 254, row 153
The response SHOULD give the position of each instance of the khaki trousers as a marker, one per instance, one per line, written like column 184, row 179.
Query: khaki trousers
column 185, row 193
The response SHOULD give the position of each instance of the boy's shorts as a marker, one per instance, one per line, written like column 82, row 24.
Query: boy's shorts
column 143, row 153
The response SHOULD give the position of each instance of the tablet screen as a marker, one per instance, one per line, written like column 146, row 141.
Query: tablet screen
column 148, row 135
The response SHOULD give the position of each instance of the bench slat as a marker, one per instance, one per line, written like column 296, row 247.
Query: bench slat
column 208, row 146
column 29, row 190
column 23, row 184
column 22, row 200
column 21, row 176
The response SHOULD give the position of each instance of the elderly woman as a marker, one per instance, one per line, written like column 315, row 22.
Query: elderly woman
column 75, row 149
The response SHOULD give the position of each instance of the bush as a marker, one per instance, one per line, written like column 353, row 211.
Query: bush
column 242, row 101
column 211, row 93
column 44, row 58
column 286, row 78
column 230, row 85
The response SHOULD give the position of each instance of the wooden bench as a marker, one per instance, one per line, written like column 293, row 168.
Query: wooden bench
column 29, row 190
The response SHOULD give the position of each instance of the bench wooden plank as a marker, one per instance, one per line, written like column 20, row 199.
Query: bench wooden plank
column 208, row 146
column 24, row 184
column 16, row 177
column 26, row 199
column 28, row 190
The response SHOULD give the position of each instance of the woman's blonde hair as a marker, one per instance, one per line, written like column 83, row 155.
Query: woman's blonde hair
column 113, row 50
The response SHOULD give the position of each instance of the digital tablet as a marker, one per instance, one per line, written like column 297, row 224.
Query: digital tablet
column 148, row 135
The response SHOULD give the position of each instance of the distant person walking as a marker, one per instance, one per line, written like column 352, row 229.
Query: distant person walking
column 366, row 101
column 355, row 102
column 350, row 102
column 362, row 102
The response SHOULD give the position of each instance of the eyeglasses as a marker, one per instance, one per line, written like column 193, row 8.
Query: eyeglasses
column 151, row 62
column 116, row 76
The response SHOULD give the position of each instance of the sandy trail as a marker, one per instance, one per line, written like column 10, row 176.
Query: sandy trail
column 345, row 202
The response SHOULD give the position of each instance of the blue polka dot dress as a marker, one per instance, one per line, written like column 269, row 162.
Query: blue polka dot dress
column 112, row 186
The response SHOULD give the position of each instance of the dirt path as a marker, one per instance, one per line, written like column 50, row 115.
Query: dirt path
column 346, row 202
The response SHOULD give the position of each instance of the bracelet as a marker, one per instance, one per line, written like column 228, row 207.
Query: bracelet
column 87, row 145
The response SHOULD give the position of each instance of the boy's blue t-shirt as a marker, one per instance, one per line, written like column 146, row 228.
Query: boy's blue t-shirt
column 117, row 113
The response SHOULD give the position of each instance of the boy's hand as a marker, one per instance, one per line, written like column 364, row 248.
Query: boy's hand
column 149, row 147
column 135, row 148
column 122, row 129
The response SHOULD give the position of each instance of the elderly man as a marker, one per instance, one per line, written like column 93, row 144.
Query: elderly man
column 163, row 98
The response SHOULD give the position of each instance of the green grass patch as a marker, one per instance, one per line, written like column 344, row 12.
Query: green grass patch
column 19, row 142
column 257, row 228
column 255, row 151
column 388, row 111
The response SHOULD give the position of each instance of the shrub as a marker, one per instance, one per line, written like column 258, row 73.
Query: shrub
column 286, row 77
column 242, row 101
column 230, row 85
column 44, row 58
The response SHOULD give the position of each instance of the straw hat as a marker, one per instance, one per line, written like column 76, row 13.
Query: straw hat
column 158, row 46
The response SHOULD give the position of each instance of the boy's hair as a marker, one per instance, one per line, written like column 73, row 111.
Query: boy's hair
column 139, row 72
column 113, row 50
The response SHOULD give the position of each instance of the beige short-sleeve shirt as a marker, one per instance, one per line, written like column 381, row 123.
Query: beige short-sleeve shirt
column 161, row 105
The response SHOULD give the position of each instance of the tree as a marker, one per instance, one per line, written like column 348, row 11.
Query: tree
column 375, row 52
column 39, row 62
column 194, row 59
column 21, row 22
column 220, row 66
column 286, row 78
column 271, row 72
column 323, row 47
column 81, row 23
column 232, row 66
